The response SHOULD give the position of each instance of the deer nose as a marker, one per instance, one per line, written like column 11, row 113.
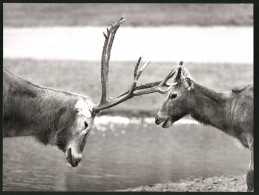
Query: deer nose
column 73, row 157
column 158, row 119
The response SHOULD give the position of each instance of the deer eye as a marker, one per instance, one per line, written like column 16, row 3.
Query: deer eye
column 86, row 125
column 173, row 95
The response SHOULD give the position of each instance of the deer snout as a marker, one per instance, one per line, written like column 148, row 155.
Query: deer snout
column 166, row 120
column 159, row 119
column 73, row 156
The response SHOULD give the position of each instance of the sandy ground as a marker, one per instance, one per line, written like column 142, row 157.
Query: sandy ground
column 165, row 44
column 210, row 184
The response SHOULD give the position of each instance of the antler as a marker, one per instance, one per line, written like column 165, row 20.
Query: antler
column 106, row 102
column 109, row 37
column 158, row 86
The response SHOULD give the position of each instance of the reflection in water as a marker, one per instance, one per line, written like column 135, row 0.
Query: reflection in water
column 120, row 155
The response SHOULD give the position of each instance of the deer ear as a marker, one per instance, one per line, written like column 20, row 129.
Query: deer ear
column 190, row 83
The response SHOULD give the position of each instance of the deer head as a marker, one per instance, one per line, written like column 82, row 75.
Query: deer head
column 178, row 99
column 72, row 142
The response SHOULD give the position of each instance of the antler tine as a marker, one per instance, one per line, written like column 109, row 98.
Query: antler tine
column 153, row 86
column 142, row 69
column 136, row 67
column 137, row 74
column 109, row 37
column 167, row 78
column 156, row 86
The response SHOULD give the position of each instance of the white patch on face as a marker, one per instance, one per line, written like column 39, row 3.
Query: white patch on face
column 84, row 107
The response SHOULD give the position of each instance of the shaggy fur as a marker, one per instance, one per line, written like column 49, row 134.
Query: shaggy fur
column 31, row 110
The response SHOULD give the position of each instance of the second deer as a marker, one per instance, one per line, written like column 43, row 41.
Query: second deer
column 232, row 112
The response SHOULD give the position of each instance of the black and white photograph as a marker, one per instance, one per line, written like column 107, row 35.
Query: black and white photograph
column 128, row 97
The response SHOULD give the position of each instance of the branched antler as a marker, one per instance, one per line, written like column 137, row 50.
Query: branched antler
column 106, row 101
column 158, row 86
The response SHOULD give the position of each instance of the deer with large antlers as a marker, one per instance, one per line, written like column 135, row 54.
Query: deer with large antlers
column 56, row 117
column 232, row 112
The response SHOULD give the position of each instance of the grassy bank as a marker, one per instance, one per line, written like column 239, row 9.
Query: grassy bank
column 83, row 77
column 24, row 15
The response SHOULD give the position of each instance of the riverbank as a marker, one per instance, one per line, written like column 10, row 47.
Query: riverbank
column 211, row 184
column 77, row 79
column 101, row 14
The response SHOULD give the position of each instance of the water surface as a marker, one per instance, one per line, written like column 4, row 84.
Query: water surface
column 218, row 44
column 123, row 155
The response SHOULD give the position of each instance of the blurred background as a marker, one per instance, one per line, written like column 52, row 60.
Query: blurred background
column 60, row 45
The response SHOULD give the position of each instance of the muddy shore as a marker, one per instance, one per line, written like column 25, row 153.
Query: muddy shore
column 210, row 184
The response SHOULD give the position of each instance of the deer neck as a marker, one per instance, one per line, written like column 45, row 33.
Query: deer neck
column 209, row 107
column 38, row 114
column 31, row 110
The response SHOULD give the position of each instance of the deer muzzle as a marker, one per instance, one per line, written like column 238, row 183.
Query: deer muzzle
column 158, row 120
column 165, row 120
column 73, row 156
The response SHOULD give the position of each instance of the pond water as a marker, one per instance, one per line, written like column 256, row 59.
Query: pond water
column 122, row 153
column 164, row 44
